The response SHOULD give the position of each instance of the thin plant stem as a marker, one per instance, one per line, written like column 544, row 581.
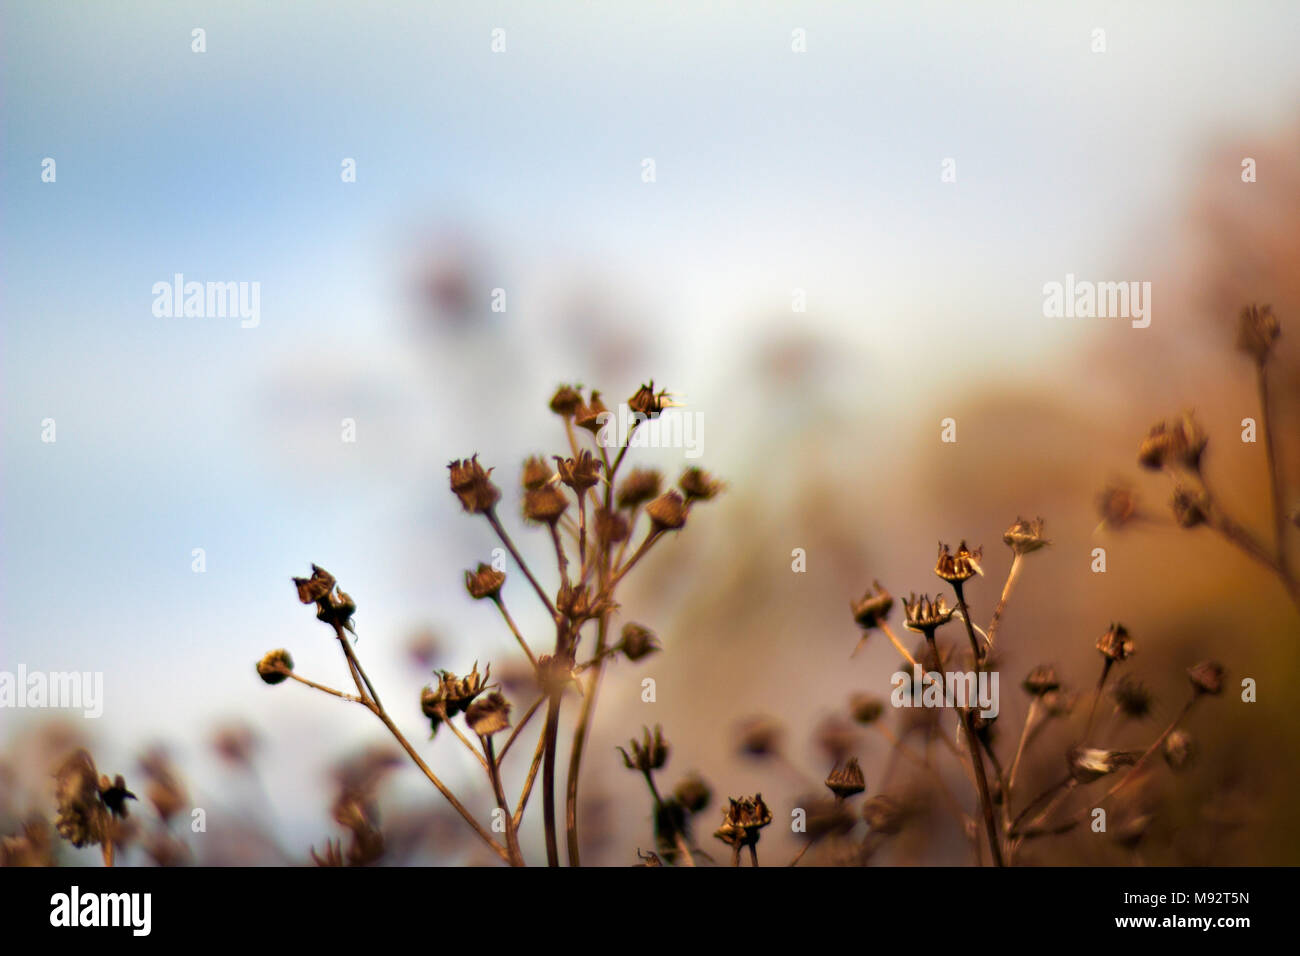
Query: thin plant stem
column 494, row 772
column 519, row 727
column 514, row 629
column 495, row 522
column 1274, row 469
column 1000, row 609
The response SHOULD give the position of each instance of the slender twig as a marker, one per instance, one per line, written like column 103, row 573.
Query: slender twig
column 514, row 629
column 495, row 522
column 494, row 772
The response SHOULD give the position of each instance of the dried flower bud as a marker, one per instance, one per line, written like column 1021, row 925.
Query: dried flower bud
column 1088, row 764
column 923, row 615
column 579, row 473
column 866, row 708
column 591, row 415
column 1115, row 644
column 458, row 692
column 646, row 402
column 1206, row 678
column 638, row 642
column 759, row 736
column 667, row 512
column 873, row 608
column 883, row 815
column 473, row 485
column 837, row 738
column 545, row 505
column 1179, row 442
column 566, row 400
column 1025, row 537
column 337, row 609
column 485, row 582
column 1132, row 698
column 743, row 820
column 316, row 588
column 1117, row 505
column 433, row 704
column 648, row 753
column 693, row 794
column 846, row 780
column 1041, row 680
column 698, row 485
column 1178, row 749
column 1257, row 331
column 275, row 666
column 488, row 715
column 959, row 567
column 640, row 486
column 1190, row 507
column 536, row 474
column 611, row 527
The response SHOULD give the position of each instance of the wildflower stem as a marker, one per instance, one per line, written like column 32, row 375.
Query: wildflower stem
column 468, row 746
column 548, row 778
column 514, row 629
column 312, row 683
column 1012, row 576
column 1030, row 726
column 976, row 759
column 531, row 779
column 580, row 742
column 494, row 772
column 495, row 522
column 519, row 727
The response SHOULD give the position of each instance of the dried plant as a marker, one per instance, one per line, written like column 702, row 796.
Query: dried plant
column 591, row 560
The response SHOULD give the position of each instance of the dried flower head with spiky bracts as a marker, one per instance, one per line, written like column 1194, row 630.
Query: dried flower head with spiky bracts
column 275, row 667
column 90, row 804
column 638, row 642
column 873, row 608
column 926, row 616
column 579, row 473
column 698, row 485
column 648, row 753
column 846, row 780
column 641, row 485
column 742, row 822
column 488, row 715
column 1116, row 644
column 1258, row 331
column 1206, row 678
column 1025, row 537
column 472, row 484
column 484, row 582
column 959, row 567
column 1041, row 680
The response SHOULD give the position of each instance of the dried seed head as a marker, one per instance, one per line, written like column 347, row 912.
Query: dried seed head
column 1190, row 506
column 872, row 608
column 337, row 609
column 1132, row 699
column 488, row 715
column 883, row 814
column 1179, row 442
column 1117, row 505
column 485, row 582
column 866, row 708
column 82, row 817
column 566, row 400
column 577, row 603
column 1024, row 537
column 275, row 666
column 837, row 738
column 1041, row 680
column 759, row 737
column 648, row 859
column 959, row 567
column 649, row 403
column 698, row 485
column 536, row 473
column 114, row 794
column 648, row 753
column 1206, row 678
column 743, row 820
column 1257, row 331
column 923, row 615
column 611, row 527
column 1115, row 644
column 591, row 415
column 545, row 505
column 846, row 780
column 1059, row 703
column 641, row 485
column 473, row 485
column 638, row 642
column 693, row 794
column 667, row 512
column 459, row 692
column 433, row 704
column 1088, row 764
column 579, row 473
column 555, row 674
column 315, row 588
column 1178, row 749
